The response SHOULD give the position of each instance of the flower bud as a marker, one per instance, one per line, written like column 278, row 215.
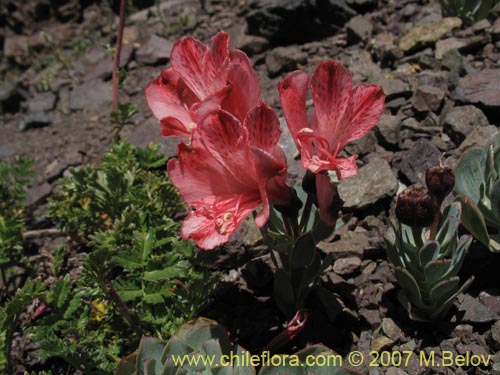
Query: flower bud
column 416, row 207
column 440, row 181
column 309, row 183
column 292, row 209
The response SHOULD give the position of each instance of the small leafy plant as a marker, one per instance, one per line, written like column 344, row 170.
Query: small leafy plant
column 469, row 11
column 425, row 248
column 137, row 277
column 14, row 179
column 203, row 346
column 478, row 188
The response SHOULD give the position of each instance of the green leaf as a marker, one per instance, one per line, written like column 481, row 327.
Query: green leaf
column 283, row 292
column 428, row 252
column 443, row 290
column 473, row 220
column 150, row 349
column 469, row 174
column 167, row 273
column 436, row 270
column 153, row 298
column 409, row 285
column 302, row 253
column 495, row 199
column 329, row 302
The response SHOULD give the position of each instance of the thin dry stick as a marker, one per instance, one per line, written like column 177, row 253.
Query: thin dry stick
column 116, row 65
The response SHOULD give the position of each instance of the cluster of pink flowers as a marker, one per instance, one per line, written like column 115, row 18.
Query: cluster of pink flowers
column 231, row 164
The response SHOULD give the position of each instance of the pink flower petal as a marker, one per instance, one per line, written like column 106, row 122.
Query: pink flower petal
column 331, row 88
column 367, row 103
column 196, row 174
column 161, row 96
column 216, row 219
column 263, row 127
column 201, row 68
column 245, row 92
column 293, row 94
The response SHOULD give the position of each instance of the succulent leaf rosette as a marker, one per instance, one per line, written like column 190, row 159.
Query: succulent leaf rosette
column 478, row 188
column 205, row 340
column 425, row 249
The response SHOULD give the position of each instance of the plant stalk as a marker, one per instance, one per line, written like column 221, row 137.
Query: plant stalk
column 116, row 66
column 306, row 212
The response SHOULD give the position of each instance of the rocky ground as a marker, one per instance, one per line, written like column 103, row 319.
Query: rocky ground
column 441, row 78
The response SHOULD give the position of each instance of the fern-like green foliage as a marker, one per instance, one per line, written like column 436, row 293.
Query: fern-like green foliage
column 469, row 11
column 9, row 314
column 14, row 179
column 138, row 277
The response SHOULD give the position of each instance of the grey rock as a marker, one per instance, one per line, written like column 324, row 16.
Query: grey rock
column 154, row 51
column 253, row 45
column 35, row 120
column 103, row 69
column 284, row 59
column 448, row 44
column 495, row 335
column 371, row 316
column 491, row 301
column 10, row 98
column 460, row 121
column 415, row 161
column 16, row 49
column 385, row 47
column 478, row 137
column 428, row 98
column 43, row 102
column 495, row 30
column 292, row 21
column 395, row 371
column 482, row 88
column 250, row 44
column 374, row 181
column 454, row 62
column 359, row 29
column 463, row 332
column 388, row 130
column 352, row 244
column 475, row 311
column 361, row 65
column 346, row 266
column 149, row 131
column 362, row 5
column 391, row 330
column 363, row 146
column 38, row 193
column 90, row 95
column 393, row 87
column 424, row 35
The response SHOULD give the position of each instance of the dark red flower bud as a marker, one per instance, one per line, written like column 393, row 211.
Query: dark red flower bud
column 416, row 207
column 309, row 183
column 440, row 181
column 292, row 209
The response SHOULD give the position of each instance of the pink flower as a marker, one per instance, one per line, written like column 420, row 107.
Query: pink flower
column 342, row 113
column 230, row 169
column 200, row 79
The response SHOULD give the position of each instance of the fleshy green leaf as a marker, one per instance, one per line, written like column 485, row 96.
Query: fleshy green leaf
column 473, row 220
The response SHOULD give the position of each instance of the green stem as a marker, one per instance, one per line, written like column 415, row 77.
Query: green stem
column 306, row 212
column 4, row 276
column 288, row 225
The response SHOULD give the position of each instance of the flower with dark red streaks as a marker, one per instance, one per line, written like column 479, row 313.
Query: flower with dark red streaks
column 200, row 79
column 230, row 169
column 342, row 113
